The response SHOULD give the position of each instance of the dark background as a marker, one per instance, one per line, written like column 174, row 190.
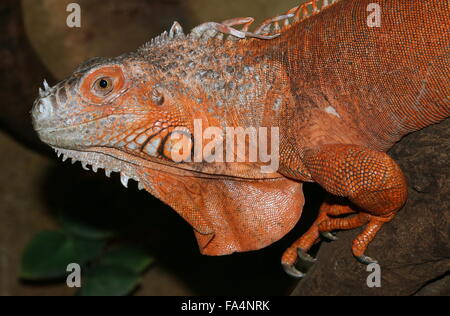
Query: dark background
column 35, row 43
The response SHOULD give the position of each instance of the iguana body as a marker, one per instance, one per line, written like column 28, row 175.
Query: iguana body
column 341, row 92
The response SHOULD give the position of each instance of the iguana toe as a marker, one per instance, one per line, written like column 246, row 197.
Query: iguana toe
column 365, row 260
column 329, row 236
column 304, row 260
column 292, row 271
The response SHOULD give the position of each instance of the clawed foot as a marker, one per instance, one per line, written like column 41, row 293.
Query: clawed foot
column 296, row 261
column 305, row 261
column 301, row 267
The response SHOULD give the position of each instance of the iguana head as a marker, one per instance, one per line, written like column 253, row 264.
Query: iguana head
column 107, row 108
column 109, row 104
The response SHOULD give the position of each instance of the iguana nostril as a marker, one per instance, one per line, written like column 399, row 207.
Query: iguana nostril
column 43, row 108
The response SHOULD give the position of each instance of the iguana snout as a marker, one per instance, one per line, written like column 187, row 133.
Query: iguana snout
column 109, row 105
column 73, row 113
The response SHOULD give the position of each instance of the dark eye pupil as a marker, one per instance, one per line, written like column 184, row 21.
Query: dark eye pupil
column 103, row 84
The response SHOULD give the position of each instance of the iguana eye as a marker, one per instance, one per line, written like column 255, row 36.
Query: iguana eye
column 102, row 83
column 103, row 86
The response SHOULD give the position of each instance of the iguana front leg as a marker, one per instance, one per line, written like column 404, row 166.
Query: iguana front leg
column 371, row 180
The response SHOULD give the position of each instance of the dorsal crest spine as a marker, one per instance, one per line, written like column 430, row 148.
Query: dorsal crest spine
column 267, row 30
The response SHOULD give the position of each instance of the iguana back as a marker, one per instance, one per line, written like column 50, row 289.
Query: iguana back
column 383, row 81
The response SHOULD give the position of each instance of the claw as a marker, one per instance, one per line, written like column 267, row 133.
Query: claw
column 304, row 256
column 366, row 260
column 329, row 236
column 292, row 271
column 305, row 261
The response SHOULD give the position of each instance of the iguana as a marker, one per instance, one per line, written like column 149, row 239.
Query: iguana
column 341, row 83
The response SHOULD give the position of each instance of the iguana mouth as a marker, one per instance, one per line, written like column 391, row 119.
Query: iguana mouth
column 104, row 161
column 129, row 166
column 115, row 161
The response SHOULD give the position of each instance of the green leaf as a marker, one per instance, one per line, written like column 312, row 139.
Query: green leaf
column 79, row 227
column 87, row 249
column 47, row 255
column 133, row 258
column 104, row 280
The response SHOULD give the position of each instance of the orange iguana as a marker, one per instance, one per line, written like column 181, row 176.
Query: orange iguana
column 339, row 85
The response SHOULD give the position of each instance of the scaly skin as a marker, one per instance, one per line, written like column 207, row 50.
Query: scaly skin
column 341, row 92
